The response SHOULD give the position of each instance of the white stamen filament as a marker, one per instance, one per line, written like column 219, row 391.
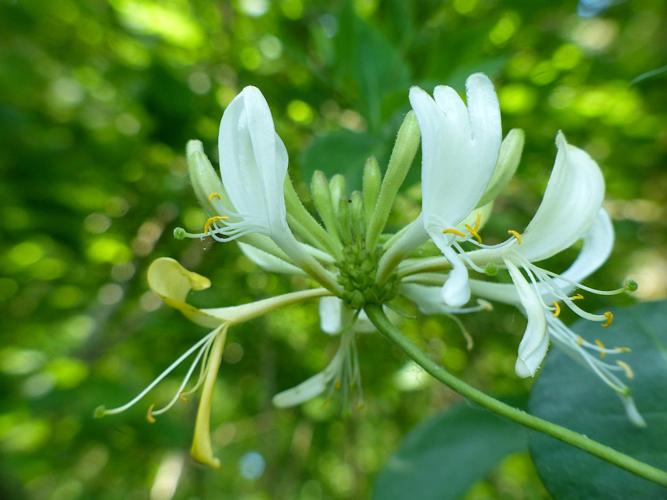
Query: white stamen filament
column 160, row 377
column 186, row 379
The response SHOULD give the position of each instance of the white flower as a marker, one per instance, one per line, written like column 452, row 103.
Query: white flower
column 597, row 245
column 459, row 152
column 571, row 203
column 250, row 200
column 253, row 166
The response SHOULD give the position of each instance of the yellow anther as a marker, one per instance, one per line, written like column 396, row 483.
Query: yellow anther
column 601, row 345
column 622, row 349
column 516, row 235
column 580, row 340
column 627, row 369
column 609, row 319
column 556, row 309
column 577, row 297
column 182, row 396
column 456, row 232
column 478, row 221
column 337, row 384
column 149, row 415
column 473, row 232
column 212, row 220
column 214, row 196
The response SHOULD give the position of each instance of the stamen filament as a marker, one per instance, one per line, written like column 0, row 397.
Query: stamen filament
column 454, row 231
column 186, row 379
column 212, row 220
column 602, row 347
column 516, row 234
column 626, row 368
column 473, row 232
column 156, row 381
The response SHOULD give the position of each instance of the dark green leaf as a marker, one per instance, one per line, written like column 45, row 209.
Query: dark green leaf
column 370, row 63
column 571, row 396
column 340, row 152
column 444, row 456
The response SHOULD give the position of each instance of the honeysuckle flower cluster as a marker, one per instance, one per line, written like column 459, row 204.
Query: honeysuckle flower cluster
column 354, row 262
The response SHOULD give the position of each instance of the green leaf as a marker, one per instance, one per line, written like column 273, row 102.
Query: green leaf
column 570, row 395
column 448, row 453
column 370, row 63
column 340, row 152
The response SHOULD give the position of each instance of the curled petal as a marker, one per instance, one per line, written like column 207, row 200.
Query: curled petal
column 172, row 282
column 310, row 388
column 598, row 243
column 535, row 341
column 571, row 202
column 331, row 314
column 201, row 449
column 456, row 290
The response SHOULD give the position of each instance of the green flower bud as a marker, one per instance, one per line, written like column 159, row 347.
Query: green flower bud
column 319, row 189
column 405, row 149
column 371, row 186
column 357, row 214
column 205, row 181
column 338, row 190
column 508, row 161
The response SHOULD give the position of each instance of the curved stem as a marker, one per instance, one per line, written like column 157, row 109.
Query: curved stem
column 386, row 328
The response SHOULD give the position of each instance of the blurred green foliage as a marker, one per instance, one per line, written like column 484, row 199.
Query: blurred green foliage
column 97, row 102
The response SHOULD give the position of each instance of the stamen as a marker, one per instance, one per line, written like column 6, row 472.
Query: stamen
column 337, row 384
column 626, row 368
column 149, row 414
column 454, row 231
column 623, row 349
column 580, row 340
column 601, row 345
column 478, row 221
column 214, row 195
column 609, row 319
column 577, row 297
column 470, row 343
column 212, row 220
column 557, row 309
column 473, row 232
column 516, row 234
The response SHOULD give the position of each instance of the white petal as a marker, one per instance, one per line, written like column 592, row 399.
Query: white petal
column 456, row 290
column 364, row 324
column 253, row 161
column 428, row 299
column 571, row 202
column 267, row 261
column 535, row 341
column 459, row 149
column 331, row 314
column 303, row 392
column 631, row 411
column 310, row 388
column 598, row 244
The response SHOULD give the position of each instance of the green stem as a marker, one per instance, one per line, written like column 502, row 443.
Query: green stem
column 386, row 328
